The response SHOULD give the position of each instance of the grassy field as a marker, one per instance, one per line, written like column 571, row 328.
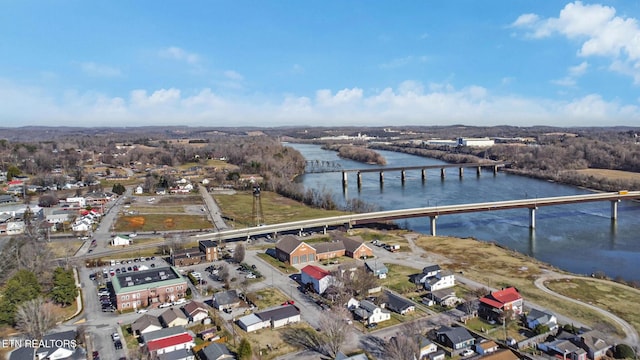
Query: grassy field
column 398, row 278
column 268, row 297
column 161, row 222
column 61, row 249
column 279, row 265
column 477, row 260
column 276, row 209
column 610, row 174
column 609, row 296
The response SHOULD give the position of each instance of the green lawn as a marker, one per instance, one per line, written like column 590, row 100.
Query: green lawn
column 398, row 278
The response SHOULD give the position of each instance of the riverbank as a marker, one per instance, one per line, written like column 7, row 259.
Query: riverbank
column 497, row 267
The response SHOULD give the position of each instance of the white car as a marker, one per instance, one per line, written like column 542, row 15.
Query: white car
column 142, row 311
column 180, row 302
column 467, row 352
column 251, row 276
column 164, row 305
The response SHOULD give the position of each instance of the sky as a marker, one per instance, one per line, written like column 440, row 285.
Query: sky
column 327, row 63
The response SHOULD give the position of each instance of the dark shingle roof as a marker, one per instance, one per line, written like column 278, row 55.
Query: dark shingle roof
column 288, row 243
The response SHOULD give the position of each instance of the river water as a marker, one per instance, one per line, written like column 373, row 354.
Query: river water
column 580, row 238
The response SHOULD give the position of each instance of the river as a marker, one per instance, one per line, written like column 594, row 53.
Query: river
column 580, row 238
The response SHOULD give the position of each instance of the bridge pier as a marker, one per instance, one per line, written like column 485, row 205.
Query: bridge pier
column 461, row 171
column 432, row 224
column 381, row 177
column 324, row 230
column 344, row 179
column 442, row 173
column 359, row 179
column 495, row 169
column 424, row 175
column 403, row 176
column 532, row 217
column 478, row 170
column 614, row 209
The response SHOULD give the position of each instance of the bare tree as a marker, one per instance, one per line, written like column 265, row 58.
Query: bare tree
column 239, row 253
column 35, row 317
column 35, row 257
column 334, row 331
column 405, row 345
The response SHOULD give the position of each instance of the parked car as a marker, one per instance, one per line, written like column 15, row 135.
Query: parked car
column 372, row 325
column 467, row 352
column 142, row 311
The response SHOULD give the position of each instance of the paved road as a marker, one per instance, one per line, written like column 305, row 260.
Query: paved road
column 632, row 337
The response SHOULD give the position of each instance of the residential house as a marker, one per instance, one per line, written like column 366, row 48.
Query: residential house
column 378, row 268
column 210, row 249
column 7, row 198
column 399, row 304
column 15, row 227
column 564, row 349
column 121, row 240
column 370, row 313
column 280, row 315
column 456, row 338
column 486, row 347
column 58, row 218
column 316, row 277
column 443, row 280
column 226, row 300
column 173, row 317
column 537, row 317
column 139, row 190
column 59, row 345
column 161, row 342
column 445, row 297
column 196, row 311
column 426, row 347
column 504, row 354
column 180, row 354
column 492, row 306
column 438, row 355
column 145, row 324
column 293, row 251
column 215, row 351
column 274, row 318
column 431, row 270
column 82, row 225
column 594, row 343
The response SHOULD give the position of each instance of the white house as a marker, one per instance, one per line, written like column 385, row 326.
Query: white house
column 80, row 201
column 120, row 240
column 57, row 218
column 536, row 317
column 15, row 227
column 139, row 190
column 252, row 322
column 443, row 280
column 372, row 314
column 318, row 277
column 83, row 225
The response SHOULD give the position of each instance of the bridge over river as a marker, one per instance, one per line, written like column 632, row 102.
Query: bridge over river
column 432, row 212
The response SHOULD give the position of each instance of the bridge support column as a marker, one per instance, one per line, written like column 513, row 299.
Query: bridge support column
column 495, row 169
column 381, row 177
column 614, row 209
column 344, row 179
column 324, row 230
column 403, row 176
column 424, row 174
column 442, row 173
column 532, row 217
column 359, row 179
column 432, row 224
column 461, row 172
column 478, row 170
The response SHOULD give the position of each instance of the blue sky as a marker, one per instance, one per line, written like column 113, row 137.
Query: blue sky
column 328, row 63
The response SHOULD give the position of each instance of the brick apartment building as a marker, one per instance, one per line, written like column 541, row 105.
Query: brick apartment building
column 143, row 288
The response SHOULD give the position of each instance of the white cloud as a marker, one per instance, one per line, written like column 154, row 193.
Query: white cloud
column 99, row 70
column 177, row 53
column 232, row 75
column 409, row 103
column 597, row 28
column 297, row 69
column 579, row 69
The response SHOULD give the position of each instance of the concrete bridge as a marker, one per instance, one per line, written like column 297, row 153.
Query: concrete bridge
column 432, row 212
column 423, row 170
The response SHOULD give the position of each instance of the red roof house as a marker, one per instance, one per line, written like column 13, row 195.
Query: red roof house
column 497, row 302
column 171, row 343
column 316, row 276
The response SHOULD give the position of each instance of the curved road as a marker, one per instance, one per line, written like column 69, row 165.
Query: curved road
column 632, row 335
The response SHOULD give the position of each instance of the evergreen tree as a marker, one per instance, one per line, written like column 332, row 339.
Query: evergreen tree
column 64, row 286
column 23, row 286
column 244, row 350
